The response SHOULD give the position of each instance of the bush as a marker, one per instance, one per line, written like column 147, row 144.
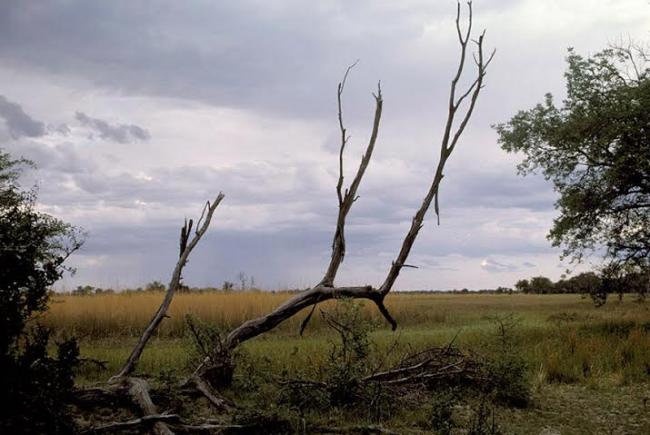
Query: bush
column 483, row 421
column 209, row 342
column 442, row 407
column 155, row 286
column 348, row 360
column 34, row 386
column 507, row 369
column 264, row 421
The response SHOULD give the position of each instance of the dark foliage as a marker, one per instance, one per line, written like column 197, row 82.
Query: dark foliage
column 483, row 421
column 442, row 409
column 34, row 386
column 263, row 421
column 348, row 361
column 615, row 278
column 595, row 148
column 209, row 343
column 507, row 369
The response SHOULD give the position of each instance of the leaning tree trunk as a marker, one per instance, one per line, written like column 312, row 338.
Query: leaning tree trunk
column 138, row 389
column 326, row 289
column 186, row 247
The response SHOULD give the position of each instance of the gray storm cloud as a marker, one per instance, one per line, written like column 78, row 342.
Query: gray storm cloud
column 19, row 124
column 120, row 133
column 240, row 97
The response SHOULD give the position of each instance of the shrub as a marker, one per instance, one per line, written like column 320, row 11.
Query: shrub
column 348, row 360
column 442, row 407
column 34, row 387
column 264, row 421
column 507, row 369
column 208, row 341
column 155, row 286
column 483, row 421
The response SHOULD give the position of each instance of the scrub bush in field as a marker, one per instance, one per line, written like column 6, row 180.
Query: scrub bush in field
column 208, row 342
column 348, row 360
column 483, row 420
column 442, row 408
column 507, row 369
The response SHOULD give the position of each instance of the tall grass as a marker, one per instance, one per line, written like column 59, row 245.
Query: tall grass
column 563, row 338
column 126, row 314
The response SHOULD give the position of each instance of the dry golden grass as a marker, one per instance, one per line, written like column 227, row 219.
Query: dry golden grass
column 126, row 314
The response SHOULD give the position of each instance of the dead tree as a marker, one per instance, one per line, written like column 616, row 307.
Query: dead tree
column 460, row 108
column 138, row 389
column 185, row 248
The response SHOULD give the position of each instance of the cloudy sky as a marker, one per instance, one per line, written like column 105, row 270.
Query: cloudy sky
column 136, row 112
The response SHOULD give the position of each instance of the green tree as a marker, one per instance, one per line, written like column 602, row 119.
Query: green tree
column 541, row 284
column 522, row 286
column 155, row 286
column 33, row 247
column 595, row 148
column 589, row 283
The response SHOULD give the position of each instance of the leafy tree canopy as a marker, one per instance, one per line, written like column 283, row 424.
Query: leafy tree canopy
column 34, row 385
column 33, row 247
column 595, row 148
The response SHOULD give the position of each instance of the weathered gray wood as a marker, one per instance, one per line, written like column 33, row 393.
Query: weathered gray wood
column 185, row 250
column 213, row 397
column 451, row 135
column 346, row 199
column 255, row 327
column 139, row 392
column 449, row 141
column 119, row 426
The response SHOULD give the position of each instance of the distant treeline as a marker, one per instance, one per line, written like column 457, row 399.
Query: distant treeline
column 154, row 286
column 598, row 286
column 587, row 283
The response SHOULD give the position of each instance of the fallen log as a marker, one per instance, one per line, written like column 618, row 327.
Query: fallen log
column 139, row 392
column 145, row 421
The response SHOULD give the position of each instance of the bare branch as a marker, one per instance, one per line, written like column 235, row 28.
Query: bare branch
column 213, row 397
column 344, row 137
column 186, row 248
column 350, row 196
column 120, row 426
column 449, row 141
column 304, row 323
column 255, row 327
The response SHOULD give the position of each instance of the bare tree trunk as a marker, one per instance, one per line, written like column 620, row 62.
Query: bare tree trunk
column 185, row 250
column 255, row 327
column 325, row 289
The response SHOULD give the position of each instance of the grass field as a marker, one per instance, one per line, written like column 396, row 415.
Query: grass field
column 589, row 368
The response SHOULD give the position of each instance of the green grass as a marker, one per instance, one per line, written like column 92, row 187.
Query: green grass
column 589, row 367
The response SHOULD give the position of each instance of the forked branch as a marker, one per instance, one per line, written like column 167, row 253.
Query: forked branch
column 187, row 244
column 449, row 140
column 347, row 198
column 460, row 110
